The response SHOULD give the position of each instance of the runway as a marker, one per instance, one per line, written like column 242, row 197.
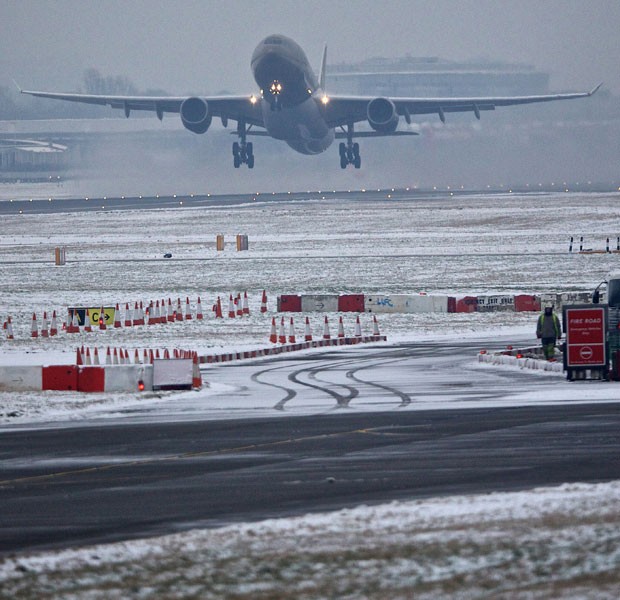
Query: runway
column 102, row 481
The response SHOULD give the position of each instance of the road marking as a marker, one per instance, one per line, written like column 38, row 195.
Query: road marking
column 183, row 456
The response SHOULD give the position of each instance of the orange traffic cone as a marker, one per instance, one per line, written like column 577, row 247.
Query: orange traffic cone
column 218, row 309
column 308, row 333
column 188, row 310
column 54, row 325
column 87, row 323
column 179, row 311
column 273, row 338
column 72, row 325
column 117, row 317
column 78, row 357
column 170, row 317
column 245, row 308
column 108, row 357
column 87, row 360
column 291, row 332
column 340, row 328
column 135, row 321
column 358, row 328
column 44, row 331
column 326, row 334
column 231, row 308
column 102, row 324
column 199, row 315
column 9, row 330
column 238, row 305
column 34, row 332
column 263, row 302
column 282, row 335
column 375, row 326
column 95, row 357
column 127, row 315
column 196, row 376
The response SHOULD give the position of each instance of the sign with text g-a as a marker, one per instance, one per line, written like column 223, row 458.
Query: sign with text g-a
column 586, row 336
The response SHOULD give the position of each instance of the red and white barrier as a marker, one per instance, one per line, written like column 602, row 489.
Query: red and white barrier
column 117, row 375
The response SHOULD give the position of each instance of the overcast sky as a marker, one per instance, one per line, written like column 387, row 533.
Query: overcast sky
column 204, row 46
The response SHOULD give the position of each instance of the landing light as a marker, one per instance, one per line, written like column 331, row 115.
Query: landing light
column 275, row 88
column 253, row 99
column 325, row 99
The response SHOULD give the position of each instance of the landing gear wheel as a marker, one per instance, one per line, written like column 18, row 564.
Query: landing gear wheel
column 250, row 161
column 349, row 152
column 237, row 161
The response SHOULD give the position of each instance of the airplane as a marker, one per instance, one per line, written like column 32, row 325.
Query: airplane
column 293, row 106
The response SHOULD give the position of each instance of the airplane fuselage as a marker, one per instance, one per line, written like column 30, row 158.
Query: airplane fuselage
column 290, row 95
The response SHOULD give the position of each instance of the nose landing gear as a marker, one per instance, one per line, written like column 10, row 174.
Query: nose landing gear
column 243, row 152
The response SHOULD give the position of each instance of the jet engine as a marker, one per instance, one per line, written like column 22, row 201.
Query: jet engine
column 195, row 115
column 382, row 115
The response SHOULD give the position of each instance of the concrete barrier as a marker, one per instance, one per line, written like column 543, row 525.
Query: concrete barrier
column 406, row 303
column 21, row 378
column 125, row 378
column 319, row 303
column 496, row 303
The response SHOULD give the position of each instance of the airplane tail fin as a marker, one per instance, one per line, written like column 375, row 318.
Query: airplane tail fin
column 322, row 70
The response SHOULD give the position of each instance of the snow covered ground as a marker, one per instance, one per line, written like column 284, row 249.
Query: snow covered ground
column 560, row 543
column 458, row 246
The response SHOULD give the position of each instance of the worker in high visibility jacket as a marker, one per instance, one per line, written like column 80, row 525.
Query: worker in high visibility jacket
column 548, row 331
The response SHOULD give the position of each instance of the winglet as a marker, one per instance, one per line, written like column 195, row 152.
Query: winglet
column 595, row 89
column 322, row 70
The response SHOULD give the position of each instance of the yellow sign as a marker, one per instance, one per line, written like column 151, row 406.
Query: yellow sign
column 94, row 314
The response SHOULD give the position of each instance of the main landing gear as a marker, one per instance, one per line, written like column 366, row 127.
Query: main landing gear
column 243, row 152
column 349, row 152
column 350, row 155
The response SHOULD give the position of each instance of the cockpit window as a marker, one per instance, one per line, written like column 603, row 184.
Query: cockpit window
column 273, row 40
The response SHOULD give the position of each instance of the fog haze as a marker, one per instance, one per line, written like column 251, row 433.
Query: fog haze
column 205, row 46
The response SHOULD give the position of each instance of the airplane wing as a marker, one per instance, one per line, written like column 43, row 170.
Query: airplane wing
column 235, row 108
column 343, row 110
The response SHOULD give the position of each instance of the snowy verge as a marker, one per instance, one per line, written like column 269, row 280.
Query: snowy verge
column 559, row 542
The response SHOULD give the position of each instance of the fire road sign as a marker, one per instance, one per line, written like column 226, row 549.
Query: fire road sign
column 586, row 336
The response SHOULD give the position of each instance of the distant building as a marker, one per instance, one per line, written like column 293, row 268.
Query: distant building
column 434, row 77
column 31, row 155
